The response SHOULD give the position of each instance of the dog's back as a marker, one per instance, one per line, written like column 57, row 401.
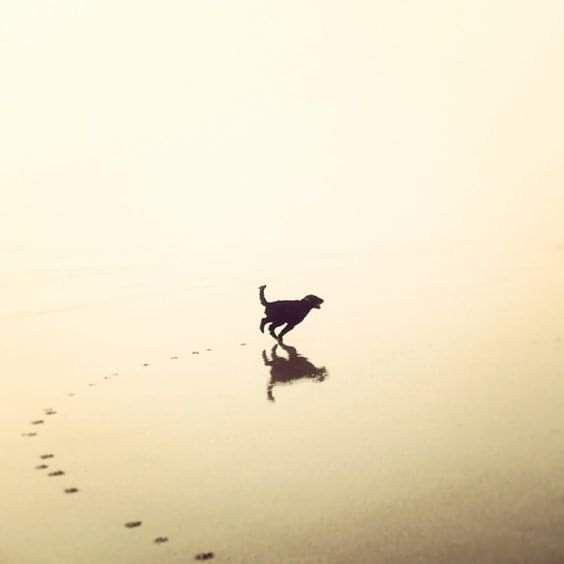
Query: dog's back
column 292, row 311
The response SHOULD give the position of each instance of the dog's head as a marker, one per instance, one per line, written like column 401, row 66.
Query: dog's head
column 313, row 301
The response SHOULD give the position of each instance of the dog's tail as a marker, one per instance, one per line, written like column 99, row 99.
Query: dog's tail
column 269, row 393
column 261, row 295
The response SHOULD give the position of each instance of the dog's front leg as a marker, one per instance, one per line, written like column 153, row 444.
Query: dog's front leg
column 286, row 329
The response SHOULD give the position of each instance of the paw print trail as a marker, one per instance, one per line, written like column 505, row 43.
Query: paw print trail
column 71, row 490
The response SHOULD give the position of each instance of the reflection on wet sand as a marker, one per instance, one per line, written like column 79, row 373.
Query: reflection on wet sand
column 287, row 370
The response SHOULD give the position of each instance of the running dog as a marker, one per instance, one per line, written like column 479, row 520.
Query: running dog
column 286, row 312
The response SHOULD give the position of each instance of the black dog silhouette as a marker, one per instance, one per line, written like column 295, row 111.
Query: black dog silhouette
column 289, row 312
column 288, row 370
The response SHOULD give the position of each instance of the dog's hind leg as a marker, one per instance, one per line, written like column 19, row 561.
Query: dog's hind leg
column 273, row 326
column 263, row 322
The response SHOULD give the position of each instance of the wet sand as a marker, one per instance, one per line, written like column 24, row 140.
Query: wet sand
column 420, row 421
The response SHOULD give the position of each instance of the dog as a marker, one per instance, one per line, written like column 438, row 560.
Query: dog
column 286, row 312
column 289, row 370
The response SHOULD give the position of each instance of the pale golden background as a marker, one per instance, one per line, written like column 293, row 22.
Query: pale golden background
column 403, row 160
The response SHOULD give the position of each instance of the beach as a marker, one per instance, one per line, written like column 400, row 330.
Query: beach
column 434, row 436
column 401, row 161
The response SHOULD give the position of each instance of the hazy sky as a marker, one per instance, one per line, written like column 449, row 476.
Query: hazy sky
column 183, row 124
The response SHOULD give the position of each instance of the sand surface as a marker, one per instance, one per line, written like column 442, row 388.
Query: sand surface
column 431, row 430
column 401, row 160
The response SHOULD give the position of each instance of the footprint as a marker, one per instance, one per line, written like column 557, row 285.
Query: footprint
column 71, row 395
column 49, row 411
column 204, row 556
column 195, row 352
column 133, row 524
column 41, row 467
column 56, row 473
column 29, row 434
column 209, row 350
column 173, row 358
column 71, row 490
column 45, row 456
column 37, row 422
column 106, row 377
column 243, row 344
column 146, row 364
column 91, row 385
column 115, row 374
column 160, row 540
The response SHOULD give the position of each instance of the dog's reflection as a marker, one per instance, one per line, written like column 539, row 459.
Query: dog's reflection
column 287, row 370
